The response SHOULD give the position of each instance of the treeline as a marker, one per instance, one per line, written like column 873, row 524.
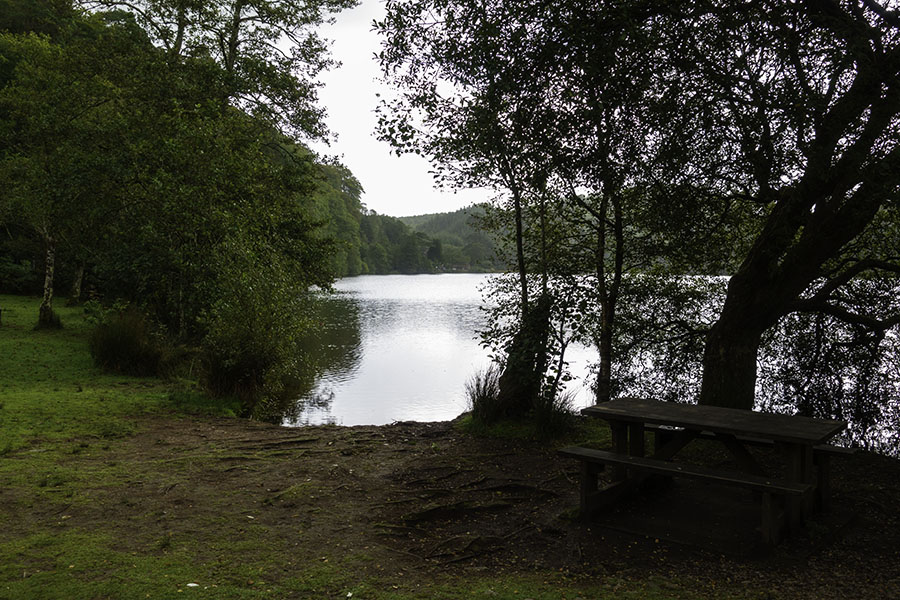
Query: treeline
column 464, row 242
column 163, row 173
column 369, row 243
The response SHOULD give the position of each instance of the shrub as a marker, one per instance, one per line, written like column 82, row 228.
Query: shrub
column 483, row 392
column 19, row 277
column 250, row 350
column 123, row 342
column 553, row 415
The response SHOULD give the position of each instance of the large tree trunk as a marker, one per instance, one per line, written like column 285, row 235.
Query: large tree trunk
column 520, row 382
column 729, row 366
column 45, row 312
column 754, row 302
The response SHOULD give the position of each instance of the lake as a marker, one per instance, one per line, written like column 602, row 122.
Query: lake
column 401, row 348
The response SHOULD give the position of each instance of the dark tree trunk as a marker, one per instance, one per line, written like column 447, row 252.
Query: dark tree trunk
column 520, row 382
column 603, row 392
column 729, row 366
column 608, row 293
column 520, row 250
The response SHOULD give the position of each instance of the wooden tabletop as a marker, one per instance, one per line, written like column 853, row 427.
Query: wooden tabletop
column 780, row 428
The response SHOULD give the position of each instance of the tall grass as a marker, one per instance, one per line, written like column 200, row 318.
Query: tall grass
column 482, row 393
column 551, row 416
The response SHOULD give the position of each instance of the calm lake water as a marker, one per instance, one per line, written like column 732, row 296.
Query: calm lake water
column 400, row 348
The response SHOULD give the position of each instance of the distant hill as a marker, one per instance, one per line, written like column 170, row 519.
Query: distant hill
column 462, row 245
column 368, row 243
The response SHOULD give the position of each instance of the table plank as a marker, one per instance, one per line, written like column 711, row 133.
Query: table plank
column 780, row 428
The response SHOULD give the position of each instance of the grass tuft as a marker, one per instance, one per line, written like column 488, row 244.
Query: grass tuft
column 483, row 393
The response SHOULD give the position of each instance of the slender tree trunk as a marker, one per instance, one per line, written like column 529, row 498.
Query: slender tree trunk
column 231, row 49
column 603, row 392
column 520, row 249
column 45, row 312
column 608, row 294
column 179, row 35
column 75, row 296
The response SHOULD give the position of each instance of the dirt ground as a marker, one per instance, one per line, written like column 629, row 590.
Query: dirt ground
column 428, row 499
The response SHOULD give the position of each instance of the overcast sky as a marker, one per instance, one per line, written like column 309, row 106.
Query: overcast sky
column 396, row 186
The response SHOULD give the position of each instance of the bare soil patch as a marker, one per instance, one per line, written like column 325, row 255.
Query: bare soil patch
column 426, row 499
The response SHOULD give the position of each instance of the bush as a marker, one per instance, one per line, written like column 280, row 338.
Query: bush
column 19, row 277
column 250, row 350
column 483, row 393
column 549, row 417
column 553, row 415
column 123, row 342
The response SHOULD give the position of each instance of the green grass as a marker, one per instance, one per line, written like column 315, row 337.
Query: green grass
column 585, row 432
column 49, row 389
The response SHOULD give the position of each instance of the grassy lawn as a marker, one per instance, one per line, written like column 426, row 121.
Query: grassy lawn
column 109, row 491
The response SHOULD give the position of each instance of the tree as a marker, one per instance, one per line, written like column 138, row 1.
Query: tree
column 804, row 100
column 553, row 103
column 60, row 118
column 779, row 117
column 269, row 50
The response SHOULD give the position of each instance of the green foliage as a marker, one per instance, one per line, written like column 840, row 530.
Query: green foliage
column 123, row 342
column 250, row 350
column 246, row 42
column 17, row 277
column 459, row 242
column 166, row 172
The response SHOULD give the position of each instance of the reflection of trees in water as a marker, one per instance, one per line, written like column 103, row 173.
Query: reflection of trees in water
column 810, row 364
column 332, row 345
column 826, row 368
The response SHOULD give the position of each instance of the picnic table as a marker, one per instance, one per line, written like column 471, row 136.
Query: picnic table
column 786, row 498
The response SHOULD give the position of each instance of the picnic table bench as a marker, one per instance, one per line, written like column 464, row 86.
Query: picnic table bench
column 785, row 499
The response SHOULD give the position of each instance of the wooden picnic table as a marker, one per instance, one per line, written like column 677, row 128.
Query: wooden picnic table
column 799, row 440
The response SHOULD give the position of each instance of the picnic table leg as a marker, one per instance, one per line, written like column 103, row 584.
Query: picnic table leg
column 588, row 488
column 636, row 439
column 619, row 433
column 823, row 486
column 771, row 523
column 800, row 466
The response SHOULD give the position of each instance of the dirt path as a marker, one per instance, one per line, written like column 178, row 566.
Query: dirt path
column 428, row 499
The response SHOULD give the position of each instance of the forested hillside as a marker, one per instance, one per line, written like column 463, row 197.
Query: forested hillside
column 369, row 243
column 463, row 245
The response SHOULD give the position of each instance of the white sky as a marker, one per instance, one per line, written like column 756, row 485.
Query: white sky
column 396, row 186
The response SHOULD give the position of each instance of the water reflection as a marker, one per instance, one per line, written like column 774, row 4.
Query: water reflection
column 333, row 347
column 393, row 348
column 399, row 348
